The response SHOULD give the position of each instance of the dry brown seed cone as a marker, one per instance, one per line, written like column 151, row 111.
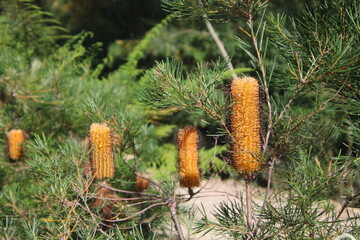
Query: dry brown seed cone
column 245, row 126
column 188, row 139
column 102, row 159
column 16, row 140
column 141, row 183
column 106, row 199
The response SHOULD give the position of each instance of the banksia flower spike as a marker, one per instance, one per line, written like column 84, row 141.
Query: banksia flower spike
column 16, row 138
column 188, row 140
column 102, row 159
column 245, row 126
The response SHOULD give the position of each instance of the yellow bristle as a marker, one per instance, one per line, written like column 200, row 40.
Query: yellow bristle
column 245, row 126
column 188, row 139
column 102, row 159
column 16, row 140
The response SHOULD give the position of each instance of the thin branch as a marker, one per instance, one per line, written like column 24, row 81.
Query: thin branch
column 137, row 213
column 297, row 89
column 219, row 43
column 318, row 109
column 129, row 192
column 249, row 217
column 347, row 202
column 172, row 206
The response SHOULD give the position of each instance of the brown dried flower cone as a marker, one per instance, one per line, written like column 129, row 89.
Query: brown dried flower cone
column 16, row 138
column 141, row 183
column 188, row 155
column 245, row 126
column 116, row 140
column 106, row 199
column 102, row 159
column 87, row 169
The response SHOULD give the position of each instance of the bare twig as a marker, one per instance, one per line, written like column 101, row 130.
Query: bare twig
column 219, row 43
column 318, row 109
column 172, row 207
column 249, row 219
column 128, row 192
column 346, row 204
column 137, row 213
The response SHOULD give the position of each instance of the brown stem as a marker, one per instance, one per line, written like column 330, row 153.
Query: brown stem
column 268, row 186
column 137, row 213
column 129, row 192
column 249, row 219
column 219, row 43
column 346, row 204
column 267, row 192
column 172, row 207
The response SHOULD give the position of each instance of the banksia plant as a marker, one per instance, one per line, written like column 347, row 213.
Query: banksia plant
column 102, row 158
column 16, row 138
column 188, row 141
column 245, row 126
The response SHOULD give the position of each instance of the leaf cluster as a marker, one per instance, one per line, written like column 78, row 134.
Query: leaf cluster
column 321, row 46
column 200, row 92
column 30, row 28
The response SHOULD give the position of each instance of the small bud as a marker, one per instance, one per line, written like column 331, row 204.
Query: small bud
column 102, row 159
column 245, row 126
column 188, row 140
column 16, row 140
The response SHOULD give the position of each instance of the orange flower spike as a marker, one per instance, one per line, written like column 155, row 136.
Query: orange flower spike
column 188, row 155
column 16, row 140
column 102, row 159
column 245, row 126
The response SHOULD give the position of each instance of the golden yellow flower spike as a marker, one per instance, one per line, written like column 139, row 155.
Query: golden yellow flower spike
column 102, row 159
column 188, row 140
column 245, row 126
column 16, row 140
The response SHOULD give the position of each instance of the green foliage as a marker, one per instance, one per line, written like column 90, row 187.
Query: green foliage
column 30, row 28
column 306, row 212
column 321, row 70
column 32, row 97
column 197, row 92
column 230, row 219
column 321, row 46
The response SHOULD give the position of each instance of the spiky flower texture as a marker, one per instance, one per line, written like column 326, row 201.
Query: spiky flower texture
column 16, row 140
column 245, row 126
column 188, row 140
column 102, row 159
